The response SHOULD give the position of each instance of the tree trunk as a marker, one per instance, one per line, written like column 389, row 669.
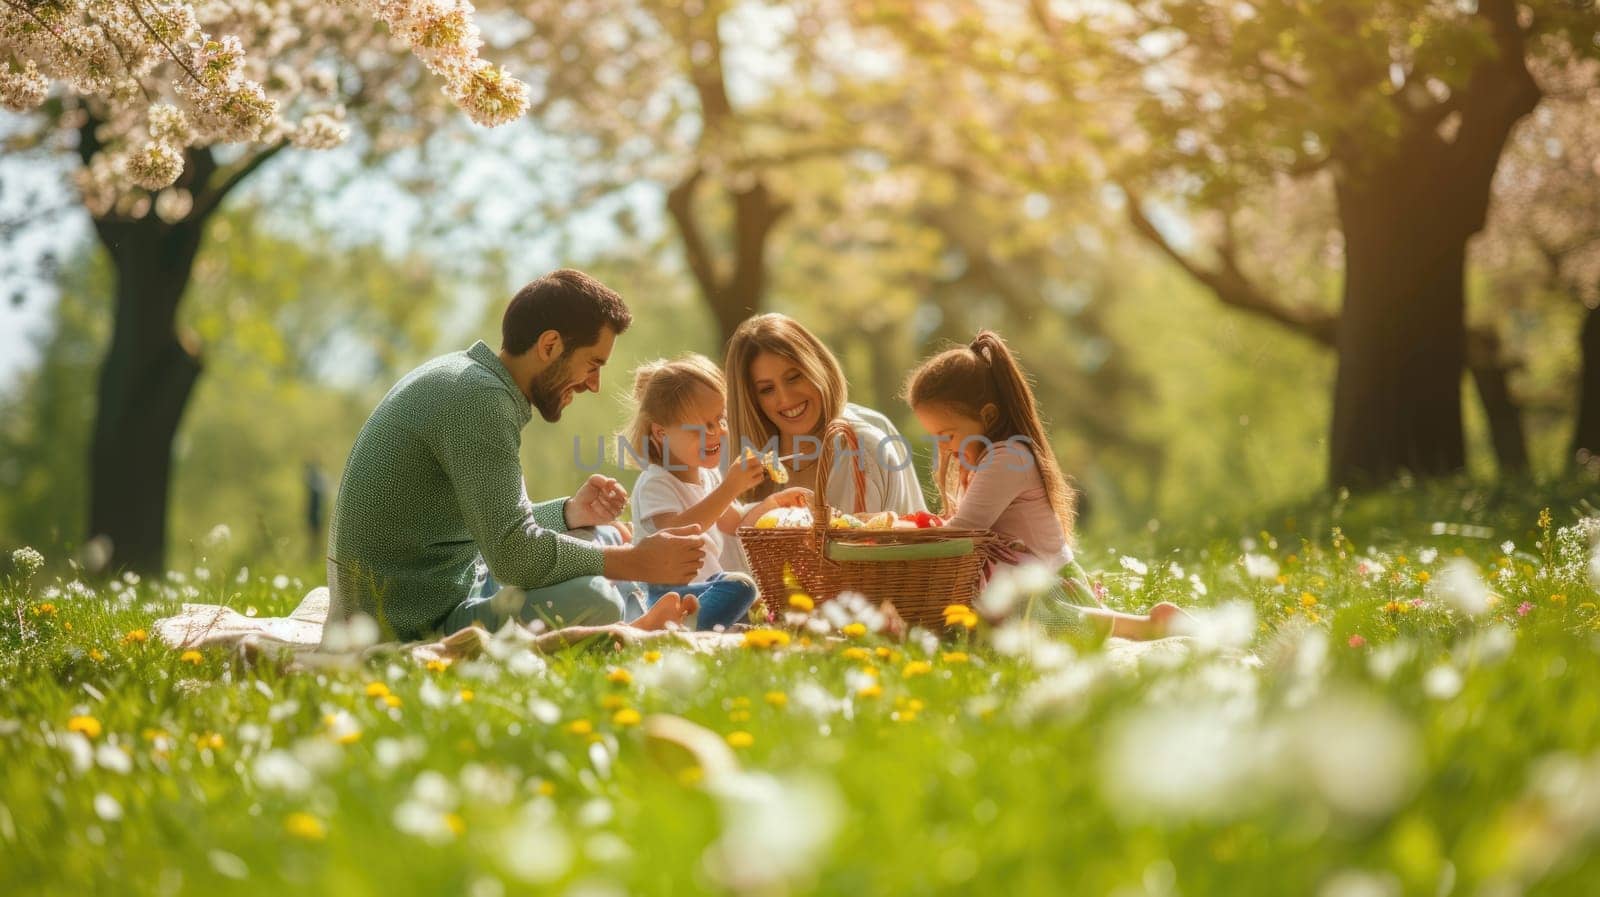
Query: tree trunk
column 1586, row 438
column 1500, row 408
column 144, row 387
column 1401, row 343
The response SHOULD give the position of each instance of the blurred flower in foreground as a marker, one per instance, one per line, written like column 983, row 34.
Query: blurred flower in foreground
column 1186, row 760
column 1462, row 588
column 775, row 831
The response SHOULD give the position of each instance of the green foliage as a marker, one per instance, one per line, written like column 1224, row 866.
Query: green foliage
column 1365, row 734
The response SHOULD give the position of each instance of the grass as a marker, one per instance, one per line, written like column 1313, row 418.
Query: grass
column 1343, row 727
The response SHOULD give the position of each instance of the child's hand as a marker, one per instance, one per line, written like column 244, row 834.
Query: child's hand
column 792, row 497
column 746, row 474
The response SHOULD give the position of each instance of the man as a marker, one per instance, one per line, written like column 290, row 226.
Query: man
column 434, row 488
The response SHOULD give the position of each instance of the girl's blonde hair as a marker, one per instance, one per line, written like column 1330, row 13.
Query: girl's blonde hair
column 664, row 394
column 787, row 338
column 984, row 372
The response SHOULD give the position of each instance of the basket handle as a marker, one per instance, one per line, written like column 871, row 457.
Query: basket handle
column 838, row 429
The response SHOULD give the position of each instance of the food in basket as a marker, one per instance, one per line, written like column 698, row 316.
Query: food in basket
column 922, row 519
column 784, row 518
column 880, row 520
column 776, row 471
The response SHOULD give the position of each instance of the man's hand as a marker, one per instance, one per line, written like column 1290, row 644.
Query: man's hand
column 599, row 501
column 670, row 556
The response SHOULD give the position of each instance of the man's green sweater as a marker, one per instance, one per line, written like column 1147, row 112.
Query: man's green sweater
column 432, row 483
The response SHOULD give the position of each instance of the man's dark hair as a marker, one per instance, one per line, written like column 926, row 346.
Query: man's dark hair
column 569, row 302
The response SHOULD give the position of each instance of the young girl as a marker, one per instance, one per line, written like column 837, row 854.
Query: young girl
column 997, row 472
column 678, row 431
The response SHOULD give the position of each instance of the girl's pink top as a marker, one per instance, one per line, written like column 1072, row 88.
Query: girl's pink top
column 1006, row 494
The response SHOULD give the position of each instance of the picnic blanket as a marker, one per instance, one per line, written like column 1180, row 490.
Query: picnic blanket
column 297, row 637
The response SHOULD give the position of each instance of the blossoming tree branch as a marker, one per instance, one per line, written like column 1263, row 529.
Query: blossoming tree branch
column 162, row 76
column 162, row 110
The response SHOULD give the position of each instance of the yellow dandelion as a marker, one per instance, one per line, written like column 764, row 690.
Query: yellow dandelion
column 466, row 695
column 738, row 716
column 856, row 653
column 618, row 676
column 954, row 657
column 1393, row 607
column 194, row 657
column 916, row 668
column 547, row 788
column 765, row 638
column 135, row 637
column 377, row 690
column 1283, row 579
column 872, row 690
column 625, row 717
column 84, row 725
column 209, row 741
column 580, row 727
column 44, row 610
column 776, row 698
column 652, row 657
column 1558, row 598
column 305, row 826
column 392, row 700
column 455, row 823
column 740, row 739
column 802, row 602
column 438, row 666
column 1308, row 600
column 613, row 702
column 854, row 630
column 96, row 655
column 960, row 615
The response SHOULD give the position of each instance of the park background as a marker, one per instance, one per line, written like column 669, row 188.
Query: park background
column 1149, row 214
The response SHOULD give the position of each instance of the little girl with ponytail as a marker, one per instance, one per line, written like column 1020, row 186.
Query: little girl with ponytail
column 996, row 471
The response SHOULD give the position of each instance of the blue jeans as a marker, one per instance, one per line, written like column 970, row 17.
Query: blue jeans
column 585, row 601
column 724, row 599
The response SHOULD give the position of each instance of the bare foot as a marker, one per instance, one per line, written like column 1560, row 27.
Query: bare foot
column 669, row 609
column 1162, row 616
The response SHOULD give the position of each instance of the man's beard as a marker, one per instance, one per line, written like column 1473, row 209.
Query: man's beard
column 549, row 387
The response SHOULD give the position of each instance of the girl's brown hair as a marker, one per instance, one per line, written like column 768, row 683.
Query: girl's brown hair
column 664, row 393
column 982, row 373
column 783, row 336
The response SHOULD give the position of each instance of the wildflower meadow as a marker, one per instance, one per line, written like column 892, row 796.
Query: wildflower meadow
column 1394, row 696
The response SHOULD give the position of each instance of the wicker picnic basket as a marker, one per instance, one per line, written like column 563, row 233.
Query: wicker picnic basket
column 828, row 561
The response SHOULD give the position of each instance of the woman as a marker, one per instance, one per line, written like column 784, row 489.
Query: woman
column 784, row 386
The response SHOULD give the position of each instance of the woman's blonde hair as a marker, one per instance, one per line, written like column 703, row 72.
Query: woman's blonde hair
column 787, row 338
column 664, row 394
column 984, row 372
